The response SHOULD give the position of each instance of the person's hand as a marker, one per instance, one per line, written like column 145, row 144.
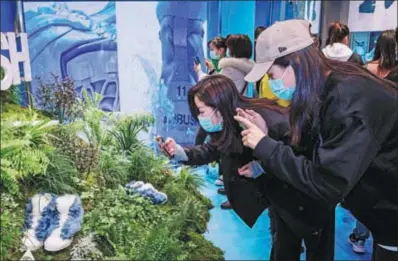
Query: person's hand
column 209, row 65
column 245, row 171
column 252, row 135
column 197, row 67
column 168, row 147
column 254, row 117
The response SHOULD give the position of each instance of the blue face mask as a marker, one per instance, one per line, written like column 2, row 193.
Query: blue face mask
column 208, row 125
column 279, row 89
column 214, row 56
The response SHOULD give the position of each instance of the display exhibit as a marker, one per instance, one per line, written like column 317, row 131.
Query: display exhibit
column 129, row 131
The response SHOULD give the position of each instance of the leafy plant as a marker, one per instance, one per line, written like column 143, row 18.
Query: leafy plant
column 127, row 130
column 58, row 98
column 86, row 249
column 24, row 150
column 114, row 168
column 11, row 223
column 61, row 176
column 116, row 216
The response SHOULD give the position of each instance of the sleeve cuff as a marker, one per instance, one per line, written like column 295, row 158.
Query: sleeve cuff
column 256, row 169
column 265, row 149
column 180, row 154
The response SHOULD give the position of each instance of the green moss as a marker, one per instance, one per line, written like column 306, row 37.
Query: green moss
column 200, row 248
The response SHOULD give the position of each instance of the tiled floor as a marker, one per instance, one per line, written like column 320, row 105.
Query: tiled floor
column 227, row 231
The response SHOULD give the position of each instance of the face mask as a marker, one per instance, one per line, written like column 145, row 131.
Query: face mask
column 214, row 56
column 227, row 54
column 208, row 125
column 279, row 89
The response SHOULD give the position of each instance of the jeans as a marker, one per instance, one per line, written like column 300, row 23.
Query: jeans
column 361, row 232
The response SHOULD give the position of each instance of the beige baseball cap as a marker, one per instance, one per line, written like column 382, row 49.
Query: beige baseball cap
column 280, row 39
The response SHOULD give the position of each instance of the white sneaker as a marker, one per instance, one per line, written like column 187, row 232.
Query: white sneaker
column 70, row 218
column 38, row 217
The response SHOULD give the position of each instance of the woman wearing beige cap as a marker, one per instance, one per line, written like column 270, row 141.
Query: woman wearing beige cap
column 345, row 122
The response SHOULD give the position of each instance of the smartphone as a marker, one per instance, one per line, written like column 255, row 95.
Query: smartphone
column 160, row 140
column 196, row 60
column 243, row 126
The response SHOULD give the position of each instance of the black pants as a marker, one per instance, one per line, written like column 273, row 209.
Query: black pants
column 381, row 254
column 287, row 244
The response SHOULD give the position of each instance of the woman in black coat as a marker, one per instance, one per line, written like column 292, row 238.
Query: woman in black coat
column 214, row 101
column 345, row 122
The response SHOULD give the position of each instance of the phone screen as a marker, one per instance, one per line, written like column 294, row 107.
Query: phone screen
column 197, row 60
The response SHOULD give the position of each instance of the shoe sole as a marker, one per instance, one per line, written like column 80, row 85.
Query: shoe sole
column 58, row 249
column 355, row 249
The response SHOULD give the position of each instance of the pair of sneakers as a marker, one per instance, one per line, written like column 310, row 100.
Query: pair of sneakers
column 51, row 221
column 147, row 191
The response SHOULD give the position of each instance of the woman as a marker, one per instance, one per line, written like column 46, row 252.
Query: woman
column 213, row 101
column 344, row 120
column 384, row 59
column 237, row 63
column 235, row 66
column 218, row 50
column 337, row 44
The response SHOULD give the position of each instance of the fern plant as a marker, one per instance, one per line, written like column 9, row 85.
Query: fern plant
column 25, row 148
column 127, row 129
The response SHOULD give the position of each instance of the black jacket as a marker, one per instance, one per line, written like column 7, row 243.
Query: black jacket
column 355, row 159
column 356, row 58
column 249, row 198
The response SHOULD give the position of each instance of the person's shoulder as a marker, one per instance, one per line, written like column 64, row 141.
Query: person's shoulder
column 356, row 58
column 358, row 94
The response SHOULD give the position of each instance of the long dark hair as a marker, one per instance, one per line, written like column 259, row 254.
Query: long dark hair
column 219, row 92
column 385, row 51
column 336, row 33
column 311, row 69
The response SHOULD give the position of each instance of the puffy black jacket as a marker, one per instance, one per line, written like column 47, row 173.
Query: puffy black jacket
column 356, row 157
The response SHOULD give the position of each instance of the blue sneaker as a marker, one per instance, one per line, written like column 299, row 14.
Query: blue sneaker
column 148, row 191
column 132, row 187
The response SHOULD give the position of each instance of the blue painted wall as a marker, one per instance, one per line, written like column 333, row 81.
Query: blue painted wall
column 238, row 17
column 8, row 15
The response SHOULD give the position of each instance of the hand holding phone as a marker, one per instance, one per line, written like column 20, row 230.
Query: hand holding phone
column 196, row 60
column 167, row 147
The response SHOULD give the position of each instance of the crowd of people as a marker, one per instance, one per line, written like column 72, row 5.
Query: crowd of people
column 321, row 129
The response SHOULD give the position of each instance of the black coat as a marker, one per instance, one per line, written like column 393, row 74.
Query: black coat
column 250, row 197
column 356, row 157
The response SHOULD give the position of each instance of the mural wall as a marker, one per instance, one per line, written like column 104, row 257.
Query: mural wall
column 159, row 41
column 372, row 15
column 78, row 40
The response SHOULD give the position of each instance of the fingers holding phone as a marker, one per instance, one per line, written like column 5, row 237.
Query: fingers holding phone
column 167, row 147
